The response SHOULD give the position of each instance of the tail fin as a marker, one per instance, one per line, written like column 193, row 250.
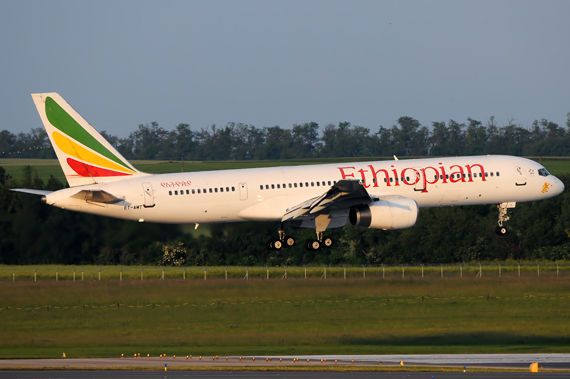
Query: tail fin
column 84, row 155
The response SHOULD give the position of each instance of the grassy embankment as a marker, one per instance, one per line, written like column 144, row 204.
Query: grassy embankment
column 278, row 317
column 47, row 167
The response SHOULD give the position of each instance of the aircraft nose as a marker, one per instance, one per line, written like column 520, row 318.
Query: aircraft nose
column 562, row 187
column 558, row 186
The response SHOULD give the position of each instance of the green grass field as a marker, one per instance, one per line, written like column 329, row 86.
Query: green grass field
column 47, row 167
column 293, row 316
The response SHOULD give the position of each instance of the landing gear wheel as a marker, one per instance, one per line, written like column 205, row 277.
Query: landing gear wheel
column 501, row 230
column 327, row 242
column 289, row 241
column 277, row 245
column 313, row 245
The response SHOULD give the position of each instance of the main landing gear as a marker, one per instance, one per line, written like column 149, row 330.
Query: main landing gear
column 501, row 230
column 320, row 242
column 285, row 241
column 281, row 242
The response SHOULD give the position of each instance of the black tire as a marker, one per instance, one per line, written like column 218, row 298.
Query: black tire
column 277, row 245
column 289, row 242
column 327, row 242
column 501, row 230
column 313, row 245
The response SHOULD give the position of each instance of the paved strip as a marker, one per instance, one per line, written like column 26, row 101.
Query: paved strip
column 269, row 375
column 548, row 361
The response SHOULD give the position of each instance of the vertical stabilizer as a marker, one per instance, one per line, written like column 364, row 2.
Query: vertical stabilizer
column 84, row 155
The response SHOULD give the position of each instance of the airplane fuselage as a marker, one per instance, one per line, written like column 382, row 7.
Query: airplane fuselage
column 267, row 193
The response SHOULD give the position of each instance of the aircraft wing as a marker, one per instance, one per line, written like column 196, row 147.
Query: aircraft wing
column 343, row 195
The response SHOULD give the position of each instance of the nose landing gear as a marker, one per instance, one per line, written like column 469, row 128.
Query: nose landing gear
column 501, row 230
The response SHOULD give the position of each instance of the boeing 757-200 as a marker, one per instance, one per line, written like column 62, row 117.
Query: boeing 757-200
column 377, row 194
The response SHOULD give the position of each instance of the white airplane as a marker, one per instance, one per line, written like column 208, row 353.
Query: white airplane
column 380, row 194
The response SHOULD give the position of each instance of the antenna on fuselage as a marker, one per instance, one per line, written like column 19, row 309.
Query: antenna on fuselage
column 395, row 158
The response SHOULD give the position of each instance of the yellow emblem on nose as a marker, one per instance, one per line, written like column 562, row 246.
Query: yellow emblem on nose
column 545, row 187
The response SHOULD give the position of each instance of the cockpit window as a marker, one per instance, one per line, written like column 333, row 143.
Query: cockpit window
column 543, row 172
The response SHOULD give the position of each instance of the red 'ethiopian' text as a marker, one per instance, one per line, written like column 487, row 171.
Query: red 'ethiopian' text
column 418, row 177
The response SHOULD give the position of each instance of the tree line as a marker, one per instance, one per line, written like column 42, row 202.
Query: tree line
column 238, row 141
column 34, row 233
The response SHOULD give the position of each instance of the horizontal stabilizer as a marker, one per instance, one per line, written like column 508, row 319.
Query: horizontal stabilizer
column 32, row 191
column 97, row 196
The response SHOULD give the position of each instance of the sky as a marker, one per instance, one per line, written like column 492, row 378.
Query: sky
column 267, row 63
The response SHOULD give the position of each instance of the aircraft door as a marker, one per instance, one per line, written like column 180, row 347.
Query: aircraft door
column 520, row 177
column 419, row 180
column 148, row 195
column 243, row 191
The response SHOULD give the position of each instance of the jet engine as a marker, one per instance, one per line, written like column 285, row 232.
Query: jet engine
column 385, row 214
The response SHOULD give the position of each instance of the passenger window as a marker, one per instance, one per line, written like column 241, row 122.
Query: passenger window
column 290, row 186
column 385, row 180
column 227, row 189
column 408, row 178
column 273, row 186
column 278, row 186
column 215, row 190
column 486, row 174
column 329, row 182
column 170, row 193
column 491, row 173
column 318, row 184
column 176, row 192
column 391, row 180
column 261, row 187
column 233, row 189
column 222, row 189
column 312, row 184
column 204, row 190
column 463, row 176
column 295, row 184
column 334, row 182
column 446, row 176
column 210, row 190
column 267, row 186
column 306, row 184
column 300, row 184
column 396, row 179
column 187, row 192
column 193, row 192
column 497, row 173
column 435, row 177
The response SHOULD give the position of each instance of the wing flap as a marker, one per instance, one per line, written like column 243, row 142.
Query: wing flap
column 344, row 194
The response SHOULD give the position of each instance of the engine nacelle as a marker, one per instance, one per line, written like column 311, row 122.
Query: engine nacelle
column 385, row 214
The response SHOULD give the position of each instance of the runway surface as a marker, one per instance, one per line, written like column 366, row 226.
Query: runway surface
column 522, row 361
column 267, row 375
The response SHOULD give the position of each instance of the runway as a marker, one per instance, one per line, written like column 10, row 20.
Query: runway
column 31, row 367
column 519, row 361
column 268, row 375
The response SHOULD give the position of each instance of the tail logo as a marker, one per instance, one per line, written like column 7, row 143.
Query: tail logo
column 86, row 155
